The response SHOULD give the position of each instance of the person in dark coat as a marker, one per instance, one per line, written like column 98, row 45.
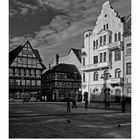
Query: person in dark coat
column 68, row 104
column 86, row 103
column 123, row 103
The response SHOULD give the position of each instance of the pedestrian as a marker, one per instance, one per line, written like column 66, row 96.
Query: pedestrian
column 68, row 104
column 86, row 103
column 123, row 103
column 74, row 102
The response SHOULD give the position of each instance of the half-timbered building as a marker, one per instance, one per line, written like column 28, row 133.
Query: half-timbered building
column 60, row 81
column 25, row 69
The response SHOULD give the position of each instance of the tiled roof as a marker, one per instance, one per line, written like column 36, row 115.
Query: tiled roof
column 14, row 53
column 77, row 53
column 127, row 25
column 64, row 68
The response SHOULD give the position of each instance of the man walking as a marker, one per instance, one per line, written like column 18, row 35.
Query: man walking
column 68, row 104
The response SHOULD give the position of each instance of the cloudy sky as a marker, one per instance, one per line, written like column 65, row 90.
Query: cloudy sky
column 55, row 26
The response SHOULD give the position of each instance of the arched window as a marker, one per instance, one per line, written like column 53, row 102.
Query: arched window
column 115, row 37
column 94, row 45
column 117, row 73
column 110, row 38
column 95, row 76
column 106, row 72
column 119, row 36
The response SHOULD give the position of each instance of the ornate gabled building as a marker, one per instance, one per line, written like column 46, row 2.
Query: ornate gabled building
column 103, row 56
column 25, row 69
column 60, row 81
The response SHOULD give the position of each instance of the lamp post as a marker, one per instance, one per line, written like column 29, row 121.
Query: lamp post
column 105, row 77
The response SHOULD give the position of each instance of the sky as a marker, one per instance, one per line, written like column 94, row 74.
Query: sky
column 55, row 26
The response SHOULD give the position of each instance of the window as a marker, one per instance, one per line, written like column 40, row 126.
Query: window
column 17, row 82
column 32, row 72
column 100, row 40
column 119, row 36
column 16, row 71
column 83, row 77
column 93, row 45
column 128, row 49
column 83, row 61
column 33, row 82
column 100, row 57
column 106, row 73
column 104, row 27
column 117, row 55
column 104, row 56
column 128, row 68
column 38, row 73
column 115, row 37
column 22, row 72
column 96, row 44
column 110, row 38
column 11, row 81
column 11, row 72
column 38, row 83
column 95, row 76
column 117, row 73
column 95, row 59
column 27, row 72
column 104, row 39
column 107, row 26
column 28, row 82
column 129, row 90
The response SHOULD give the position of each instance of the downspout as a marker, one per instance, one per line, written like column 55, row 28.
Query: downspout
column 89, row 71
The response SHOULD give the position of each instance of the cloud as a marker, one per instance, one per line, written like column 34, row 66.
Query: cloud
column 22, row 8
column 66, row 29
column 12, row 12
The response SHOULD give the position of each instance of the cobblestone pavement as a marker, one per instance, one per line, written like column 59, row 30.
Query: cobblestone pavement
column 50, row 120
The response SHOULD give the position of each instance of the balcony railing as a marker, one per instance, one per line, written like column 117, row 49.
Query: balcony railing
column 116, row 44
column 95, row 66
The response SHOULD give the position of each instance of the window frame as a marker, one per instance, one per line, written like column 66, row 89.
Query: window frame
column 128, row 68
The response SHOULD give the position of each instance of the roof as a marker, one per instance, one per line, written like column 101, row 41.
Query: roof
column 64, row 68
column 77, row 53
column 127, row 25
column 14, row 53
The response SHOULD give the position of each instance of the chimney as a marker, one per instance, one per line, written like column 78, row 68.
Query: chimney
column 57, row 59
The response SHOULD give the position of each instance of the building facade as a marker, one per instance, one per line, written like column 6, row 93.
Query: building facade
column 103, row 57
column 25, row 69
column 127, row 57
column 60, row 81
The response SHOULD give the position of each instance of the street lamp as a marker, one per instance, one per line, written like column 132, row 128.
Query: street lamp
column 105, row 77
